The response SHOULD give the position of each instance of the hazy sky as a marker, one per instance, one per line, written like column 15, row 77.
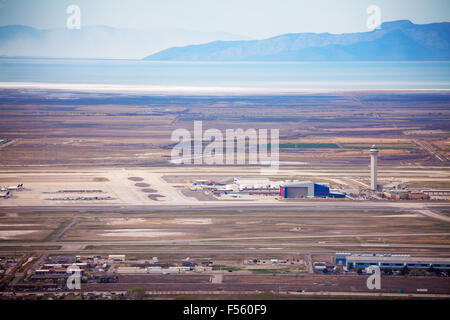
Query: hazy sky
column 253, row 18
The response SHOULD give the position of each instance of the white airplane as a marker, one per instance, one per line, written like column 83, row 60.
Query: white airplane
column 19, row 187
column 5, row 195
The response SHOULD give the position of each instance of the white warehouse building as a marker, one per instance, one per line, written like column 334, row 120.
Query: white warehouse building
column 256, row 183
column 251, row 183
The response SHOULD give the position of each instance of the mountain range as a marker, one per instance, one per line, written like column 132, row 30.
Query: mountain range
column 394, row 41
column 98, row 41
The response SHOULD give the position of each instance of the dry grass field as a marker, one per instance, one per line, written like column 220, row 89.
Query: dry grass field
column 86, row 129
column 286, row 230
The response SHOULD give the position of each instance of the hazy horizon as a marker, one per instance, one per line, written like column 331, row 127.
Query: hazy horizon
column 251, row 19
column 112, row 29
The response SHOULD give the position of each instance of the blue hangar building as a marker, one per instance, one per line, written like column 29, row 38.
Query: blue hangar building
column 307, row 189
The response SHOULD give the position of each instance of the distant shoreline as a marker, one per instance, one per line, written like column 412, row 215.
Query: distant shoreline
column 193, row 90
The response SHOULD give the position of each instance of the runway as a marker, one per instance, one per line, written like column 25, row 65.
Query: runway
column 241, row 205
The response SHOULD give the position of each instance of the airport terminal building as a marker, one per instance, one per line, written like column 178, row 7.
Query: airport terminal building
column 389, row 261
column 307, row 189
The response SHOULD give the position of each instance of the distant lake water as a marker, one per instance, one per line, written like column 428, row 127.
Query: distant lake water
column 298, row 75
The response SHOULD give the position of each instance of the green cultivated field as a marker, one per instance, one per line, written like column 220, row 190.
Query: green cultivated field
column 330, row 145
column 308, row 146
column 391, row 146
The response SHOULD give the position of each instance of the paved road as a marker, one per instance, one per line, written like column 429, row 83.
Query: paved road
column 316, row 205
column 433, row 215
column 193, row 249
column 224, row 241
column 302, row 244
column 242, row 292
column 37, row 265
column 308, row 263
column 427, row 147
column 60, row 234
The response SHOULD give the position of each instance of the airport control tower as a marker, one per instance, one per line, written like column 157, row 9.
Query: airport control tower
column 373, row 167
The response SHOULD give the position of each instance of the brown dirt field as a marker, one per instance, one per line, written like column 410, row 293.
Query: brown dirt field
column 49, row 132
